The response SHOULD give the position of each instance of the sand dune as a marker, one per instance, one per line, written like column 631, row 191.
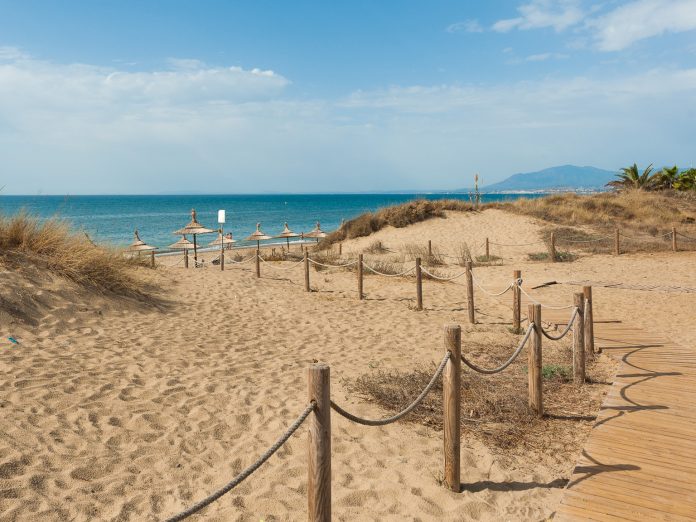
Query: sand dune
column 134, row 414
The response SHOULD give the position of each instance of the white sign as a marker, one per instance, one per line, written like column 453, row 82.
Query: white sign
column 221, row 216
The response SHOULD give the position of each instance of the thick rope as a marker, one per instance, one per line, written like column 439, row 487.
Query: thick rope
column 663, row 236
column 273, row 267
column 490, row 371
column 248, row 471
column 491, row 293
column 686, row 237
column 572, row 319
column 545, row 305
column 242, row 261
column 604, row 238
column 331, row 266
column 515, row 244
column 388, row 275
column 443, row 278
column 402, row 413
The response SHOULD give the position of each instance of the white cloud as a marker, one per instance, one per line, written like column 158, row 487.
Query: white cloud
column 467, row 26
column 641, row 19
column 542, row 57
column 539, row 14
column 88, row 129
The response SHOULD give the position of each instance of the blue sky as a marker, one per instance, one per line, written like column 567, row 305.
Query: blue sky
column 240, row 97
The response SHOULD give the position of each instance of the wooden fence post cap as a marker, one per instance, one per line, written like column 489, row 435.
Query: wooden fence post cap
column 317, row 367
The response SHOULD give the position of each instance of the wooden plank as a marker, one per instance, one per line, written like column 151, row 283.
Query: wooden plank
column 647, row 456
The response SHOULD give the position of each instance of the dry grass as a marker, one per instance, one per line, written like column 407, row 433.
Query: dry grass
column 398, row 216
column 376, row 247
column 412, row 251
column 51, row 245
column 494, row 408
column 636, row 210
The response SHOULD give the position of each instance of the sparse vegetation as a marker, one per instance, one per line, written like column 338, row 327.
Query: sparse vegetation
column 51, row 245
column 376, row 247
column 416, row 250
column 398, row 216
column 561, row 256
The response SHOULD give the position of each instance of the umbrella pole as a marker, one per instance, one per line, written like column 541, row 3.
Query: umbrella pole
column 288, row 240
column 195, row 252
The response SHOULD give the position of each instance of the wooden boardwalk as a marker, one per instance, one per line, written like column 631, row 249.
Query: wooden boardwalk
column 639, row 462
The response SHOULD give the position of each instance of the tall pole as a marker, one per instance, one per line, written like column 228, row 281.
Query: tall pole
column 451, row 407
column 536, row 400
column 319, row 437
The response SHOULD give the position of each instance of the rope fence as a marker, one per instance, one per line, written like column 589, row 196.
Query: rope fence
column 319, row 407
column 402, row 413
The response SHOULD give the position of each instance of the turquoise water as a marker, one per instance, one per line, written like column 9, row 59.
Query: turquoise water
column 111, row 219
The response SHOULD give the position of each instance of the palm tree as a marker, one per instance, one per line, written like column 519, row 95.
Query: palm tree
column 686, row 180
column 667, row 177
column 630, row 177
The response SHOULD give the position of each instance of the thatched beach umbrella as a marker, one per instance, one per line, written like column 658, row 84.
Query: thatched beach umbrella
column 258, row 236
column 194, row 228
column 185, row 245
column 222, row 240
column 287, row 234
column 317, row 232
column 138, row 245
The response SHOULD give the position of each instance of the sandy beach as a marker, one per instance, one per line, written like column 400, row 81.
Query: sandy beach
column 119, row 411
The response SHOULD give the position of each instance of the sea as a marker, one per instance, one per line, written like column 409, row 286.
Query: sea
column 113, row 219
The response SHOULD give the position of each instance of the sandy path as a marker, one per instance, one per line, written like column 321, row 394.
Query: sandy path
column 133, row 416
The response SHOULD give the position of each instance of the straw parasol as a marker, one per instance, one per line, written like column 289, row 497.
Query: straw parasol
column 138, row 245
column 258, row 236
column 182, row 244
column 287, row 234
column 222, row 240
column 317, row 232
column 194, row 228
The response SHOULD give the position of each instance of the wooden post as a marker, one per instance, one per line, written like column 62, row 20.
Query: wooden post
column 488, row 252
column 340, row 249
column 516, row 301
column 617, row 246
column 470, row 292
column 152, row 258
column 419, row 285
column 578, row 340
column 674, row 239
column 430, row 249
column 306, row 272
column 319, row 438
column 536, row 399
column 589, row 323
column 185, row 258
column 451, row 407
column 222, row 259
column 552, row 247
column 361, row 295
column 258, row 263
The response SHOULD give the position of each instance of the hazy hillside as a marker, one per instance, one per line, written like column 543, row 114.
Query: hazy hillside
column 565, row 176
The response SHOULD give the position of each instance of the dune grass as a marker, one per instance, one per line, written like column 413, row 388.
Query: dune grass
column 397, row 216
column 649, row 212
column 51, row 245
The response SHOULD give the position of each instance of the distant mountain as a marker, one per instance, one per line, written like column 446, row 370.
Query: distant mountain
column 555, row 178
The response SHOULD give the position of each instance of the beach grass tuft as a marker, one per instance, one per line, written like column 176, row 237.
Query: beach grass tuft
column 52, row 245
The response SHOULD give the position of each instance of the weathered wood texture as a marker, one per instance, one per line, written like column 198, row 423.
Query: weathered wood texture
column 361, row 295
column 639, row 462
column 419, row 285
column 534, row 361
column 470, row 293
column 451, row 398
column 516, row 301
column 306, row 271
column 319, row 445
column 579, row 340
